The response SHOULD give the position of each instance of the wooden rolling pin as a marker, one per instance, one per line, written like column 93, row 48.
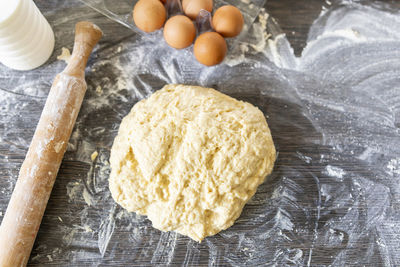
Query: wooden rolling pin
column 28, row 202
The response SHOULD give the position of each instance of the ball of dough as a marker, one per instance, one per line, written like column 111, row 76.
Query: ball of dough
column 190, row 158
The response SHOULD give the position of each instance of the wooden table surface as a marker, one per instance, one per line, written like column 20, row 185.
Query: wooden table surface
column 294, row 17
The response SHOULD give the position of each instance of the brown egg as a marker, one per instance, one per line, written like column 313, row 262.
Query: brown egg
column 210, row 48
column 179, row 31
column 193, row 7
column 228, row 21
column 149, row 15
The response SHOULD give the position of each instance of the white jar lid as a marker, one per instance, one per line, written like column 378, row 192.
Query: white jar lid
column 26, row 38
column 7, row 9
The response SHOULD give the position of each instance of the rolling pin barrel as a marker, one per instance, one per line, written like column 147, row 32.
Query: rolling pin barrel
column 38, row 172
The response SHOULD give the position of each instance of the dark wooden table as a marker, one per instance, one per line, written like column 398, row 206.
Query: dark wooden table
column 71, row 232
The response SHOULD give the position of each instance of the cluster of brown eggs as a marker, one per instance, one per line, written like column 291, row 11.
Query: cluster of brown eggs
column 180, row 31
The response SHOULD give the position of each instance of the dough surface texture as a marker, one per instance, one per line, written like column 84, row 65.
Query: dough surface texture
column 190, row 158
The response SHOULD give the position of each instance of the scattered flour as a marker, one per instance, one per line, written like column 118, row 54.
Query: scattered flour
column 94, row 155
column 87, row 228
column 87, row 197
column 99, row 90
column 335, row 172
column 58, row 146
column 65, row 55
column 394, row 166
column 50, row 258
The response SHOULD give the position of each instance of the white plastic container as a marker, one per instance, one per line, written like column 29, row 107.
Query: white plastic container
column 26, row 38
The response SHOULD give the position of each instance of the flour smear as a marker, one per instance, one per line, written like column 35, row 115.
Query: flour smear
column 334, row 114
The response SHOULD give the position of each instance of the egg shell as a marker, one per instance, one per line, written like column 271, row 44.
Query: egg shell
column 228, row 21
column 210, row 48
column 179, row 31
column 149, row 15
column 193, row 7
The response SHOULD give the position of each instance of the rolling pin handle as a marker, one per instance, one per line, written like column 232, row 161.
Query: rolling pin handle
column 87, row 35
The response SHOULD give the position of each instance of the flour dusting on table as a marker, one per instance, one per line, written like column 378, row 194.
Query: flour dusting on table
column 333, row 112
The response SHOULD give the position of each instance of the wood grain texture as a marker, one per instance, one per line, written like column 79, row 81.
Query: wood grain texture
column 295, row 18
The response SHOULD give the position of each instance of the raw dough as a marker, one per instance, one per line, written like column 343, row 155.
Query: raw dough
column 65, row 55
column 190, row 158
